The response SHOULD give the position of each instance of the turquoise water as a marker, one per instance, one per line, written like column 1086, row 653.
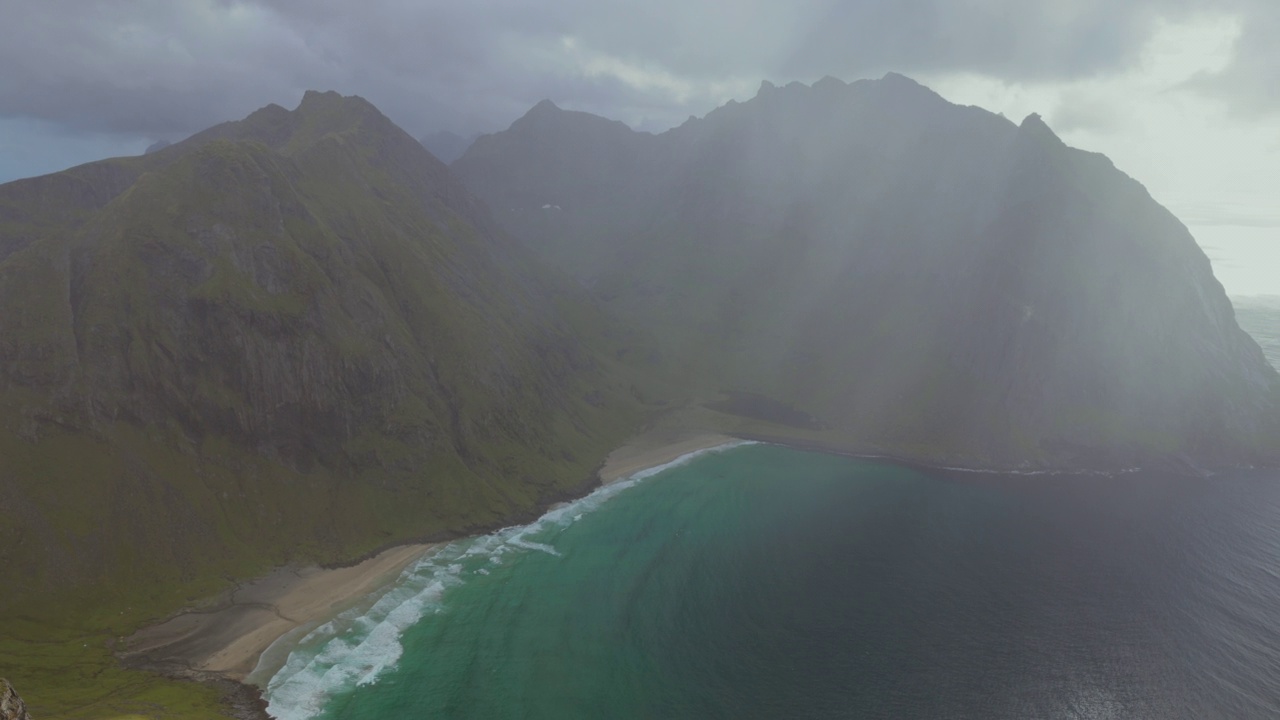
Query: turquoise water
column 493, row 587
column 763, row 582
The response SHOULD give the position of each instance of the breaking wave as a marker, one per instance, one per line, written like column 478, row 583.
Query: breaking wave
column 358, row 645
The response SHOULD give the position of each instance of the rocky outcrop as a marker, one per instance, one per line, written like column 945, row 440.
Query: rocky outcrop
column 11, row 706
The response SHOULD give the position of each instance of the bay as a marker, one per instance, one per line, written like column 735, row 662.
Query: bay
column 766, row 582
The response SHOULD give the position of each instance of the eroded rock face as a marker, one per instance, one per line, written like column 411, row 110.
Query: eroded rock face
column 11, row 705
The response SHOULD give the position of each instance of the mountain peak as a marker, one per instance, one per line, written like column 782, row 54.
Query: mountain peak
column 546, row 116
column 319, row 95
column 321, row 113
column 903, row 86
column 829, row 83
column 268, row 113
column 329, row 100
column 544, row 107
column 905, row 94
column 893, row 78
column 539, row 115
column 1034, row 126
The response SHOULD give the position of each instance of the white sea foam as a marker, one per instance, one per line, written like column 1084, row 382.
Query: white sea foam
column 359, row 645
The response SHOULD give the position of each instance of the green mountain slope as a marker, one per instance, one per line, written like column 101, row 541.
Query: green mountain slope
column 910, row 275
column 293, row 337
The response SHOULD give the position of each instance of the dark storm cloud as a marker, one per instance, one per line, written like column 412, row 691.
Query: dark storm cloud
column 158, row 68
column 143, row 67
column 1011, row 40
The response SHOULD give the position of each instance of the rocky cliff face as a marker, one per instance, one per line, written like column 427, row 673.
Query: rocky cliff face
column 11, row 706
column 915, row 275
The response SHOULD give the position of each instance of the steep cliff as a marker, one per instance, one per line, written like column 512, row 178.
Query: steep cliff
column 916, row 276
column 292, row 337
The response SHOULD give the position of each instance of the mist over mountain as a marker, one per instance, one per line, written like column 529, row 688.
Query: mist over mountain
column 913, row 275
column 301, row 337
column 291, row 336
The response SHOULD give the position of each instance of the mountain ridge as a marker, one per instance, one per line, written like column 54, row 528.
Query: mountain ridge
column 984, row 244
column 299, row 337
column 295, row 337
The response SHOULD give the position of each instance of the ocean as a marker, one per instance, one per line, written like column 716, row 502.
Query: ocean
column 764, row 582
column 1260, row 317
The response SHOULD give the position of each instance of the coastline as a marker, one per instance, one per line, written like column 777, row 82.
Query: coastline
column 227, row 640
column 649, row 450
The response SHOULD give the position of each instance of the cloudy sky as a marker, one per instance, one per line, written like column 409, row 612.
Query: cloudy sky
column 1179, row 93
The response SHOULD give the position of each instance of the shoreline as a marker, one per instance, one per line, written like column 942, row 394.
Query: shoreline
column 227, row 640
column 647, row 451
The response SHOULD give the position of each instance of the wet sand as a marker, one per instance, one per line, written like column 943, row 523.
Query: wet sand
column 653, row 449
column 228, row 638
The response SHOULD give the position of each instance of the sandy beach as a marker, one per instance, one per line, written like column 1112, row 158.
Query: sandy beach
column 653, row 449
column 229, row 637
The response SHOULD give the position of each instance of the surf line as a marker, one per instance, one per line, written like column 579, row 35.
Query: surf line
column 362, row 643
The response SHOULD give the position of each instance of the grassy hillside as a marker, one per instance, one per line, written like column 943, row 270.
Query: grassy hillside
column 293, row 338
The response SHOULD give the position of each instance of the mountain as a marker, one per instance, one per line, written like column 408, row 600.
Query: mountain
column 446, row 146
column 156, row 146
column 886, row 271
column 295, row 337
column 300, row 337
